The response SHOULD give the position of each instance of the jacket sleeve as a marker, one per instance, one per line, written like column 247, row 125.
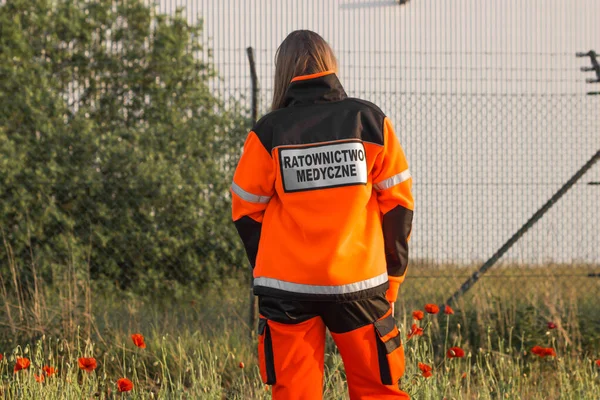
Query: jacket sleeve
column 252, row 188
column 392, row 182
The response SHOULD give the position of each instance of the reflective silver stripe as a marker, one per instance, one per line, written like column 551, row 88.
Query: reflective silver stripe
column 252, row 198
column 316, row 289
column 393, row 181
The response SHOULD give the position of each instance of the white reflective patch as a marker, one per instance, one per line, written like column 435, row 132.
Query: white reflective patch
column 393, row 181
column 249, row 197
column 321, row 289
column 323, row 166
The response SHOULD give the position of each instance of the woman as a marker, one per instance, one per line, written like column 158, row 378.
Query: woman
column 322, row 201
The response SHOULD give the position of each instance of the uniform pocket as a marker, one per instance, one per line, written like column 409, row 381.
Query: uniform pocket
column 265, row 352
column 390, row 352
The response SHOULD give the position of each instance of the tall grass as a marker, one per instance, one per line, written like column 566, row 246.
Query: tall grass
column 196, row 341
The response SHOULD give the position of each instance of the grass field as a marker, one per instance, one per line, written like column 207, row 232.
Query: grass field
column 195, row 342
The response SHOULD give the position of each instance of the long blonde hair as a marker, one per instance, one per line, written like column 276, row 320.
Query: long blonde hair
column 302, row 52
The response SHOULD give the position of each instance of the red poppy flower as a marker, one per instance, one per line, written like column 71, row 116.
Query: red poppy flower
column 124, row 385
column 138, row 340
column 87, row 364
column 537, row 350
column 598, row 363
column 418, row 315
column 414, row 331
column 22, row 363
column 543, row 351
column 464, row 375
column 455, row 352
column 426, row 370
column 49, row 370
column 549, row 351
column 1, row 356
column 432, row 308
column 551, row 325
column 39, row 378
column 448, row 310
column 241, row 364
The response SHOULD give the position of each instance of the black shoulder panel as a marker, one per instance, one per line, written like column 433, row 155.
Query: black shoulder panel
column 372, row 118
column 264, row 131
column 369, row 105
column 315, row 123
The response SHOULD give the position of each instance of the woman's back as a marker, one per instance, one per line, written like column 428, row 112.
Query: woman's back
column 321, row 233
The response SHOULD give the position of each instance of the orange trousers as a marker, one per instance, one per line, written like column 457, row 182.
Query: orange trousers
column 291, row 347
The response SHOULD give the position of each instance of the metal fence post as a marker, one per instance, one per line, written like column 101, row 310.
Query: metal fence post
column 254, row 116
column 530, row 222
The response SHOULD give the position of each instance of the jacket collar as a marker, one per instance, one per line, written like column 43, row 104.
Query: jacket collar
column 316, row 88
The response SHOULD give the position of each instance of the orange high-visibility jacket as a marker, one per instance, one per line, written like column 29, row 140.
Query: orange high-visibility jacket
column 322, row 197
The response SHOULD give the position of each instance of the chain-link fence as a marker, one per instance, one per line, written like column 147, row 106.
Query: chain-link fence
column 491, row 106
column 488, row 99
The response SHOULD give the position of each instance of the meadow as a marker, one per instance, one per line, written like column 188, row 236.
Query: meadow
column 198, row 345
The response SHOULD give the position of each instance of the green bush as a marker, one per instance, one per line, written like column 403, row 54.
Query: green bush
column 114, row 153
